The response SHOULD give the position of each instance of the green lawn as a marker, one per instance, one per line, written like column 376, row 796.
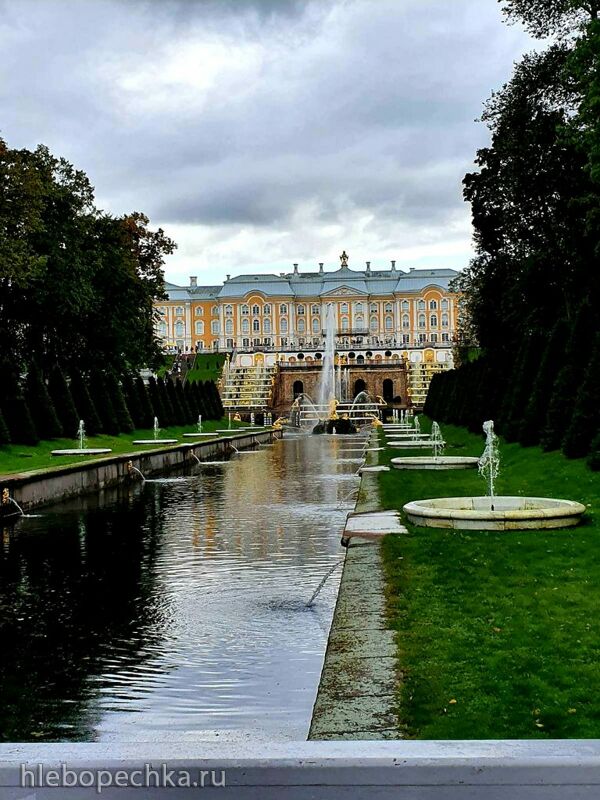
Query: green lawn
column 498, row 633
column 23, row 458
column 207, row 367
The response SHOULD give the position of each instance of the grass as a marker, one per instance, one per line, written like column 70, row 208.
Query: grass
column 497, row 633
column 16, row 458
column 207, row 367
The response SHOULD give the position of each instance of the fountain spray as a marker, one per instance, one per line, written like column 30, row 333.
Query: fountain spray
column 156, row 428
column 81, row 435
column 438, row 440
column 489, row 463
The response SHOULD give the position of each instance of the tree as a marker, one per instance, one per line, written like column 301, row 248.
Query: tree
column 132, row 400
column 63, row 402
column 586, row 414
column 178, row 412
column 4, row 433
column 40, row 405
column 113, row 386
column 182, row 399
column 155, row 395
column 104, row 405
column 84, row 403
column 147, row 413
column 15, row 409
column 543, row 18
column 165, row 402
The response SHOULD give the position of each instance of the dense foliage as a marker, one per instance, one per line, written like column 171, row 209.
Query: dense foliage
column 77, row 287
column 532, row 294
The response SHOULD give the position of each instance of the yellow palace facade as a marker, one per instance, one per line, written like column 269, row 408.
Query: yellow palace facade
column 268, row 319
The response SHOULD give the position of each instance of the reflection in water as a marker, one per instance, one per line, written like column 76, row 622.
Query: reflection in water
column 176, row 609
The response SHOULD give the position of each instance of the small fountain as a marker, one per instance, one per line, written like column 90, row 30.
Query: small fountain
column 156, row 434
column 193, row 455
column 82, row 449
column 8, row 500
column 317, row 591
column 493, row 512
column 438, row 460
column 198, row 431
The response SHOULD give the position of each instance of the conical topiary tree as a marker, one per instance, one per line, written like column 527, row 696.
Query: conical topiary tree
column 63, row 403
column 178, row 414
column 593, row 460
column 200, row 401
column 84, row 404
column 586, row 413
column 191, row 400
column 4, row 432
column 156, row 401
column 533, row 418
column 16, row 412
column 168, row 410
column 187, row 414
column 132, row 399
column 104, row 405
column 118, row 400
column 522, row 381
column 40, row 405
column 568, row 380
column 145, row 404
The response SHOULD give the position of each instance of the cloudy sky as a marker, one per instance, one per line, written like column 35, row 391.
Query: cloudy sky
column 260, row 133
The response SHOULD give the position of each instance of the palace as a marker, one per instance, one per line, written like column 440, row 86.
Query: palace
column 383, row 317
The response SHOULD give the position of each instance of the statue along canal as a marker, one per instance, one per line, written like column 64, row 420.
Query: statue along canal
column 179, row 609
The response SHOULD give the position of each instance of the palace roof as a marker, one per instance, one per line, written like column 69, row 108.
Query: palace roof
column 318, row 284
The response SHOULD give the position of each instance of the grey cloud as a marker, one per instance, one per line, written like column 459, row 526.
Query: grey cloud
column 348, row 105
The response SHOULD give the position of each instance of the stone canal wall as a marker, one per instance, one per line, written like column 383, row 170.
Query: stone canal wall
column 32, row 489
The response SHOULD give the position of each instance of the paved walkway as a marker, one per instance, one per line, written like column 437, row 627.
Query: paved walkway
column 357, row 692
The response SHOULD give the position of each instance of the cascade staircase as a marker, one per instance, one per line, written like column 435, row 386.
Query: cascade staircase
column 419, row 378
column 248, row 388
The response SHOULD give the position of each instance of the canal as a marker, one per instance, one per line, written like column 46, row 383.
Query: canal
column 177, row 610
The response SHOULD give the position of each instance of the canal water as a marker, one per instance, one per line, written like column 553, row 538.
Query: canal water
column 176, row 610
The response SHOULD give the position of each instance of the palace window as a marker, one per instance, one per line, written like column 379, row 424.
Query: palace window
column 199, row 328
column 199, row 345
column 228, row 310
column 162, row 328
column 374, row 324
column 267, row 309
column 283, row 309
column 215, row 311
column 358, row 308
column 433, row 321
column 256, row 326
column 421, row 338
column 267, row 326
column 256, row 310
column 389, row 324
column 315, row 309
column 345, row 322
column 359, row 322
column 445, row 320
column 283, row 326
column 300, row 310
column 433, row 305
column 445, row 337
column 422, row 321
column 301, row 326
column 374, row 308
column 421, row 305
column 245, row 326
column 344, row 308
column 161, row 311
column 199, row 311
column 179, row 329
column 245, row 342
column 406, row 338
column 434, row 338
column 316, row 325
column 229, row 326
column 215, row 326
column 445, row 305
column 245, row 310
column 179, row 311
column 389, row 308
column 405, row 321
column 405, row 305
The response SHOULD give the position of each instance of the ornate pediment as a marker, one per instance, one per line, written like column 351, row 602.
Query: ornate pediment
column 343, row 291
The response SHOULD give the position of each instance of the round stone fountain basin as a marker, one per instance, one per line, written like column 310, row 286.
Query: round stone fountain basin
column 196, row 435
column 409, row 435
column 154, row 441
column 414, row 443
column 435, row 462
column 510, row 513
column 82, row 451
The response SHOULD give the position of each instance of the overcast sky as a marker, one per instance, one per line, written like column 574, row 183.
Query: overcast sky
column 259, row 133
